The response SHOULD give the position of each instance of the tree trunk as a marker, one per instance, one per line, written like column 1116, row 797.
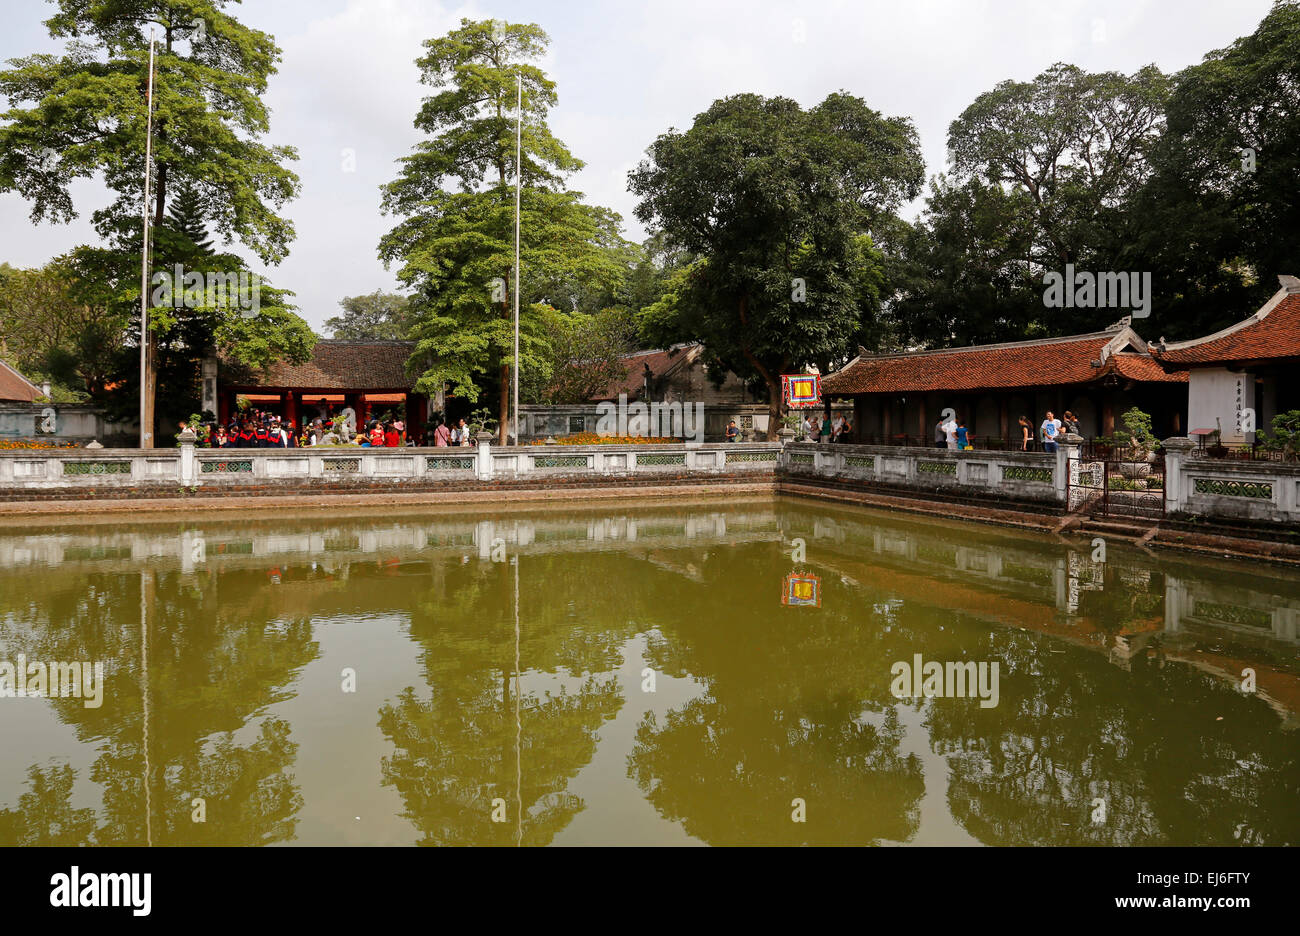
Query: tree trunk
column 773, row 409
column 505, row 402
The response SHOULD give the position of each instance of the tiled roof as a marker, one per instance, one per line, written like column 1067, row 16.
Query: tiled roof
column 1141, row 367
column 1271, row 333
column 660, row 363
column 14, row 386
column 336, row 365
column 1041, row 363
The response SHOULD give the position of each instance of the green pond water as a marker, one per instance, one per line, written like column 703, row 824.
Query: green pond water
column 696, row 673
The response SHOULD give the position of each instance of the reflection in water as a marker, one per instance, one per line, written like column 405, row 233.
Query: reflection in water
column 496, row 655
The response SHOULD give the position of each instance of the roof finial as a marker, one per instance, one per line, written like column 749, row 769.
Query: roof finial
column 1290, row 283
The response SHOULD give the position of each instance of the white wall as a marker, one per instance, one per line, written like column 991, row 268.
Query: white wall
column 1212, row 393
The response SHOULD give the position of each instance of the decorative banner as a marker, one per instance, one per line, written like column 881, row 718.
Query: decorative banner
column 801, row 391
column 802, row 590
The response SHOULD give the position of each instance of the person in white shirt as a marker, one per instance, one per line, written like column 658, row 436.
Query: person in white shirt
column 950, row 432
column 837, row 424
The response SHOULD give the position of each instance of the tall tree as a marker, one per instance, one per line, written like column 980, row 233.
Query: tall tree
column 1220, row 216
column 456, row 249
column 375, row 316
column 1042, row 173
column 775, row 203
column 82, row 113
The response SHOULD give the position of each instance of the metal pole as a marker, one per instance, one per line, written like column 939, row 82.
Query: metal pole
column 519, row 174
column 146, row 435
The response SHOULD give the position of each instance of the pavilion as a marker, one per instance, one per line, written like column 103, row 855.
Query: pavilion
column 898, row 398
column 369, row 376
column 1249, row 365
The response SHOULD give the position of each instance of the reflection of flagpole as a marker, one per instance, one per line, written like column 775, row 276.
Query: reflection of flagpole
column 519, row 772
column 144, row 690
column 146, row 433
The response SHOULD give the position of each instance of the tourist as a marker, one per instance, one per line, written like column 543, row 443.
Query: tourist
column 376, row 435
column 846, row 431
column 220, row 439
column 962, row 436
column 441, row 435
column 1051, row 429
column 837, row 425
column 1027, row 434
column 733, row 431
column 464, row 433
column 809, row 428
column 826, row 428
column 391, row 437
column 950, row 433
column 940, row 434
column 401, row 432
column 457, row 434
column 1070, row 424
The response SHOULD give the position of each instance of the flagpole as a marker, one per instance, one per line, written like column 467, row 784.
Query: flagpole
column 519, row 173
column 146, row 434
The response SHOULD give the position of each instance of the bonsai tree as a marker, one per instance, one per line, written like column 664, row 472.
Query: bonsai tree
column 1141, row 440
column 1285, row 437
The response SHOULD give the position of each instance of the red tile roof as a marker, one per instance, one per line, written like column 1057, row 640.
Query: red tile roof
column 1272, row 333
column 1040, row 363
column 660, row 363
column 336, row 365
column 14, row 386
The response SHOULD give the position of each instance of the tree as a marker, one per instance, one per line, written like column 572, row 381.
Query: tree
column 774, row 203
column 1220, row 216
column 587, row 355
column 376, row 316
column 457, row 248
column 82, row 113
column 1042, row 174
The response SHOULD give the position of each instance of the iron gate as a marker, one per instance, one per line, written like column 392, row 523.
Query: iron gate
column 1115, row 488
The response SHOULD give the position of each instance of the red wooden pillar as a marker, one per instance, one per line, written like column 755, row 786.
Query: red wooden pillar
column 291, row 407
column 224, row 405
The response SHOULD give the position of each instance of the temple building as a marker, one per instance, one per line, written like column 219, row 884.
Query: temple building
column 898, row 398
column 1242, row 368
column 368, row 376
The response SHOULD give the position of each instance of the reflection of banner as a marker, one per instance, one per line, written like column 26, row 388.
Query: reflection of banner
column 801, row 390
column 802, row 590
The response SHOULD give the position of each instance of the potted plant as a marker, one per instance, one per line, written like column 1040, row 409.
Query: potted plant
column 1141, row 444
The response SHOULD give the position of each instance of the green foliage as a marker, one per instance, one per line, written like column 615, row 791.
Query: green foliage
column 456, row 249
column 376, row 316
column 586, row 355
column 1285, row 437
column 772, row 204
column 1140, row 438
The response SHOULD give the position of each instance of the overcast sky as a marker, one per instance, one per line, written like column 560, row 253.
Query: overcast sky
column 626, row 71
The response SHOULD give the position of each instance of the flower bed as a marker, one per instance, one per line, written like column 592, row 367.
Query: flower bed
column 8, row 445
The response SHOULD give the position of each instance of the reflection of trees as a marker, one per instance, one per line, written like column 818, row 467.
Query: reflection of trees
column 791, row 708
column 1072, row 728
column 45, row 815
column 217, row 656
column 456, row 751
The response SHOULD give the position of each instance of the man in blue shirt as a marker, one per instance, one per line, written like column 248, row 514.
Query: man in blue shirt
column 1050, row 430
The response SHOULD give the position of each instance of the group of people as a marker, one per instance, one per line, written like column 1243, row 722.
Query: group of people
column 456, row 434
column 950, row 432
column 836, row 428
column 256, row 429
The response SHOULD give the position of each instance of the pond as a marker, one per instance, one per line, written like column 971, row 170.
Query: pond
column 756, row 671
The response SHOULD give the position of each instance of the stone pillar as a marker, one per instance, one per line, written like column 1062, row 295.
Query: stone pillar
column 188, row 464
column 1067, row 449
column 1177, row 450
column 208, row 370
column 484, row 440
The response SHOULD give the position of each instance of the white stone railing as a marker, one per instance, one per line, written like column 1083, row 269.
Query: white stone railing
column 1227, row 489
column 1017, row 475
column 191, row 467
